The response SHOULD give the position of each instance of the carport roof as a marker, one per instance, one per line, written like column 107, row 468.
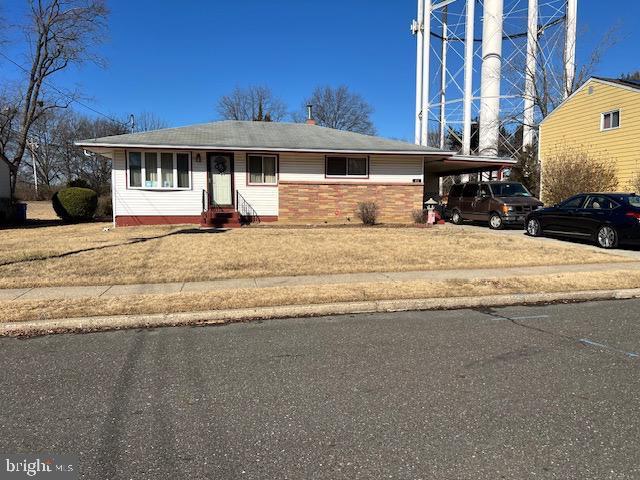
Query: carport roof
column 260, row 136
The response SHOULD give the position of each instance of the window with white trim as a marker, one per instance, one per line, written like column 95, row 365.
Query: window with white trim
column 159, row 170
column 610, row 120
column 347, row 167
column 262, row 169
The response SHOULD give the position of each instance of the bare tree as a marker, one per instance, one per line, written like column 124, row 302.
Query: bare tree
column 256, row 103
column 93, row 168
column 632, row 76
column 574, row 170
column 146, row 121
column 549, row 78
column 60, row 33
column 44, row 150
column 341, row 109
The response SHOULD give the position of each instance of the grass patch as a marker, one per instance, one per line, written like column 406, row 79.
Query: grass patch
column 24, row 310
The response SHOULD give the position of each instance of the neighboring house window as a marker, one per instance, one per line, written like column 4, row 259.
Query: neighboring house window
column 159, row 170
column 347, row 167
column 611, row 120
column 262, row 169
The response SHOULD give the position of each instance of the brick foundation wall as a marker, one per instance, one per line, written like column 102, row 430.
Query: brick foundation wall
column 337, row 202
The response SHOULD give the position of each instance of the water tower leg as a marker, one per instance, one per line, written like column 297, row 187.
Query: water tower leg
column 530, row 76
column 570, row 47
column 418, row 31
column 490, row 78
column 468, row 77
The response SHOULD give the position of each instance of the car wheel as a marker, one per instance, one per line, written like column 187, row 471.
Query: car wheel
column 496, row 222
column 607, row 237
column 533, row 228
column 456, row 217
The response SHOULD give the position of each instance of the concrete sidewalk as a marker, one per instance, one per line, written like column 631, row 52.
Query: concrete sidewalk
column 105, row 291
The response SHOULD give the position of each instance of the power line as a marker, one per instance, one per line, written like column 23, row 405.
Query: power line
column 75, row 100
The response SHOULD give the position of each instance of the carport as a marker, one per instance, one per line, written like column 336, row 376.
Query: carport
column 436, row 168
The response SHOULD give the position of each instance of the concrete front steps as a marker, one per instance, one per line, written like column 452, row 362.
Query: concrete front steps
column 220, row 218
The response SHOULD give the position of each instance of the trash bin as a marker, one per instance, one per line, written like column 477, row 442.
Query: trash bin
column 21, row 212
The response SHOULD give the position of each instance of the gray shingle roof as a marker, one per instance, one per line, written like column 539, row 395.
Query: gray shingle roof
column 626, row 83
column 242, row 135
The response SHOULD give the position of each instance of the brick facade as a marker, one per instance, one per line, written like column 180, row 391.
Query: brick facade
column 336, row 202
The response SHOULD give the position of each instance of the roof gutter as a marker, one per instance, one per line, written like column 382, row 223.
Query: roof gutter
column 89, row 145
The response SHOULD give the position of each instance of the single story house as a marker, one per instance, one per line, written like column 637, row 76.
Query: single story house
column 217, row 173
column 601, row 117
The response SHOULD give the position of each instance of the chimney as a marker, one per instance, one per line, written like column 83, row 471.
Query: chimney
column 310, row 120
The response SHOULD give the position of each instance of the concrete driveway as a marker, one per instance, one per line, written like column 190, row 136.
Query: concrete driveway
column 631, row 252
column 546, row 392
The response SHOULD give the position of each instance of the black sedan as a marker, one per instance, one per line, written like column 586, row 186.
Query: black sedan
column 604, row 218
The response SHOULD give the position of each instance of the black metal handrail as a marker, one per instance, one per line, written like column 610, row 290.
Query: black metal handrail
column 208, row 203
column 245, row 209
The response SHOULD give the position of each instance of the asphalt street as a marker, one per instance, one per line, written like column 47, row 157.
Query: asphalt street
column 548, row 392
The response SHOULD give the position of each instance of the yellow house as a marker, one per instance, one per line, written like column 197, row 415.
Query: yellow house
column 602, row 116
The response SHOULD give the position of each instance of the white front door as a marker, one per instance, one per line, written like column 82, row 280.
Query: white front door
column 220, row 185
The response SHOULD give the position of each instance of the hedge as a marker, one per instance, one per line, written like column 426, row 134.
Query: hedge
column 75, row 204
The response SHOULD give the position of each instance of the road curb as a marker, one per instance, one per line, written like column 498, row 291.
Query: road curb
column 219, row 317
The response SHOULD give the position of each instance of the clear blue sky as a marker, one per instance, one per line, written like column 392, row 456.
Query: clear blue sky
column 175, row 58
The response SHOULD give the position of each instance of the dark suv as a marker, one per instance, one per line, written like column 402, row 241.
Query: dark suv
column 499, row 203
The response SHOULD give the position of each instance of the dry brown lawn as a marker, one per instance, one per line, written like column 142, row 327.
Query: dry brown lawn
column 24, row 310
column 86, row 254
column 40, row 211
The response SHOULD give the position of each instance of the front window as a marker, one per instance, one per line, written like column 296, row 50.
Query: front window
column 135, row 169
column 166, row 166
column 159, row 170
column 151, row 169
column 509, row 190
column 262, row 169
column 347, row 167
column 611, row 120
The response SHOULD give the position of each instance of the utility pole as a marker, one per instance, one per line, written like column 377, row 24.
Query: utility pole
column 33, row 148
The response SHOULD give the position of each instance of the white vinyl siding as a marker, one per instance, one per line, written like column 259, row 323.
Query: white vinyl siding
column 298, row 167
column 142, row 202
column 263, row 197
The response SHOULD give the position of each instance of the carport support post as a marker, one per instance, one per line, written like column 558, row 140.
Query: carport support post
column 468, row 77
